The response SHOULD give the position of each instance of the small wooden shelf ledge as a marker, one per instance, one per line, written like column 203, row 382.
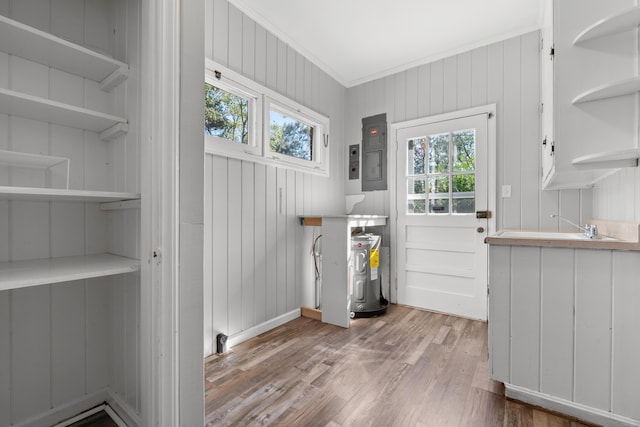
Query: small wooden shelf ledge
column 609, row 159
column 610, row 90
column 623, row 21
column 46, row 110
column 22, row 274
column 35, row 45
column 61, row 195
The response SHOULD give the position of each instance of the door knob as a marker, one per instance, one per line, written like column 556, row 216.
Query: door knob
column 480, row 229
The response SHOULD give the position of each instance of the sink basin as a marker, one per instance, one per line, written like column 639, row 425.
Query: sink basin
column 549, row 235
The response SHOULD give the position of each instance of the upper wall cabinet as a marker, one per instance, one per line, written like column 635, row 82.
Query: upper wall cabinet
column 589, row 81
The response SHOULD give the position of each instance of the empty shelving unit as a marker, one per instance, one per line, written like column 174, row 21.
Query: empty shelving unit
column 69, row 246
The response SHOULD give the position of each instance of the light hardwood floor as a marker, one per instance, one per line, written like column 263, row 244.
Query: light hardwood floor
column 406, row 368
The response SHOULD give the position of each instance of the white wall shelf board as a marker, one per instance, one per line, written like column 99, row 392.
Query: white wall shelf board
column 609, row 159
column 36, row 108
column 36, row 161
column 623, row 21
column 38, row 46
column 21, row 274
column 61, row 195
column 610, row 90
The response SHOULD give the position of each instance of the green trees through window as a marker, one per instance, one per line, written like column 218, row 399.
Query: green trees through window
column 226, row 115
column 290, row 137
column 448, row 183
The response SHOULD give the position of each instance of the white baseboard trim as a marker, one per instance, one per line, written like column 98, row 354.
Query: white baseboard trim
column 262, row 328
column 64, row 412
column 577, row 410
column 116, row 408
column 123, row 410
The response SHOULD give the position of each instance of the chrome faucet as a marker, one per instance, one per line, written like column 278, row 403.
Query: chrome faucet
column 590, row 230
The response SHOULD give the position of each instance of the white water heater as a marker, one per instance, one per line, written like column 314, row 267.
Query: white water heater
column 364, row 278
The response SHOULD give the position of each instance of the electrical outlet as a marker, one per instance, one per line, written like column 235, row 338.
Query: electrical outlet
column 506, row 191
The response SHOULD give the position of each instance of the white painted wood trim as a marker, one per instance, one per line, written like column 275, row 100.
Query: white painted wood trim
column 263, row 327
column 160, row 40
column 66, row 411
column 573, row 409
column 123, row 410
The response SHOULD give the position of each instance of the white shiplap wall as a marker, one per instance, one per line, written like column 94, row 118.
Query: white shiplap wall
column 64, row 343
column 253, row 241
column 505, row 73
column 618, row 196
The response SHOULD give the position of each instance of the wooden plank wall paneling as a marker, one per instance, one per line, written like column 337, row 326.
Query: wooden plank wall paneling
column 564, row 322
column 618, row 196
column 254, row 241
column 64, row 341
column 505, row 73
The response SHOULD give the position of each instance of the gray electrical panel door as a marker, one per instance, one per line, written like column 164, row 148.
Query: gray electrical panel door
column 374, row 153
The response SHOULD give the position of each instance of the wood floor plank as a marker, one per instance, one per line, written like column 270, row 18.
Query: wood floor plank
column 409, row 367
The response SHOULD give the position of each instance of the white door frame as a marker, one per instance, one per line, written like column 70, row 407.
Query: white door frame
column 490, row 110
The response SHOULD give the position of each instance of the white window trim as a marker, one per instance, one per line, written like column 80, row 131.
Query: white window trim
column 230, row 83
column 258, row 149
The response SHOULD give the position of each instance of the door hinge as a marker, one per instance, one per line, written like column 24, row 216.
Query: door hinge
column 552, row 52
column 553, row 148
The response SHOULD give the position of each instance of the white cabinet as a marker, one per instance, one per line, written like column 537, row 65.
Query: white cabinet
column 69, row 210
column 589, row 81
column 563, row 330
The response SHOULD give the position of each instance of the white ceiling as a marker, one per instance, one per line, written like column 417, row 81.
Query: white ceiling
column 356, row 41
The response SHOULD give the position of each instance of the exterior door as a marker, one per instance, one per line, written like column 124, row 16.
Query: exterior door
column 442, row 205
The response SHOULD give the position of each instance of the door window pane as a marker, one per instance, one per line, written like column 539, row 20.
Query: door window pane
column 415, row 153
column 438, row 206
column 226, row 115
column 439, row 153
column 464, row 149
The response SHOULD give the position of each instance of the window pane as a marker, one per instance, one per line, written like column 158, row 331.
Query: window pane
column 438, row 184
column 416, row 186
column 439, row 206
column 464, row 147
column 464, row 206
column 415, row 153
column 439, row 153
column 226, row 115
column 290, row 137
column 416, row 206
column 463, row 183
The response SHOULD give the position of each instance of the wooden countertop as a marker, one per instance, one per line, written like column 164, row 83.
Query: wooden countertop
column 614, row 235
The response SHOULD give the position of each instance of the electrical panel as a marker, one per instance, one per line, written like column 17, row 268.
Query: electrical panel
column 374, row 153
column 354, row 161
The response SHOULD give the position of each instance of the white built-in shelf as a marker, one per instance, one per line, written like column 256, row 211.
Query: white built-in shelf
column 61, row 195
column 38, row 46
column 609, row 159
column 623, row 21
column 610, row 90
column 37, row 161
column 21, row 274
column 46, row 110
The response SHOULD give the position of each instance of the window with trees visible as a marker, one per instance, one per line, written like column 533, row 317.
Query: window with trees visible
column 226, row 115
column 235, row 110
column 441, row 173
